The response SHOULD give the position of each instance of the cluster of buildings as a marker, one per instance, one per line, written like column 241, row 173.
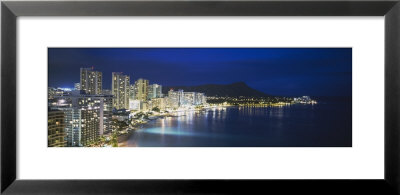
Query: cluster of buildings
column 304, row 100
column 78, row 117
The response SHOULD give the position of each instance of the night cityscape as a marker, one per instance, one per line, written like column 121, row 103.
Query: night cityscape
column 199, row 97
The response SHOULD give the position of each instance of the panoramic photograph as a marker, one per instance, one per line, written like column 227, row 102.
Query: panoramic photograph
column 199, row 97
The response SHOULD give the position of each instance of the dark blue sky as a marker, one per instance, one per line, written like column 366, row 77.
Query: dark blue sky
column 275, row 71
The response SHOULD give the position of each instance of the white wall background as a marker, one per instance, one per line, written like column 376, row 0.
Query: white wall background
column 362, row 161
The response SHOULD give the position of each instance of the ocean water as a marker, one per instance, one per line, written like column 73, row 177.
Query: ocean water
column 326, row 124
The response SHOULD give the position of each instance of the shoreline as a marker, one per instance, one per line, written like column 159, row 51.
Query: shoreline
column 123, row 138
column 183, row 132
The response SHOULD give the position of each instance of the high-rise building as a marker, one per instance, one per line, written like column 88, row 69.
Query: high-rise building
column 175, row 98
column 120, row 90
column 134, row 104
column 200, row 99
column 132, row 92
column 189, row 98
column 56, row 129
column 86, row 117
column 106, row 108
column 73, row 126
column 141, row 87
column 154, row 91
column 193, row 98
column 91, row 81
column 83, row 125
column 159, row 103
column 90, row 124
column 180, row 98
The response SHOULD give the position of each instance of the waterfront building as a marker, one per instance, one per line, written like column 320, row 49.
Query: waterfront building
column 56, row 129
column 193, row 98
column 86, row 116
column 304, row 100
column 91, row 81
column 154, row 91
column 175, row 99
column 141, row 89
column 77, row 86
column 200, row 99
column 185, row 99
column 189, row 98
column 120, row 90
column 159, row 103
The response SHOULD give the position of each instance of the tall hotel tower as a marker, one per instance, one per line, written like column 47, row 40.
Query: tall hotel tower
column 91, row 81
column 141, row 87
column 120, row 90
column 154, row 91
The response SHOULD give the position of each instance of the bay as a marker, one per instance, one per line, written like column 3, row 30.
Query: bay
column 326, row 124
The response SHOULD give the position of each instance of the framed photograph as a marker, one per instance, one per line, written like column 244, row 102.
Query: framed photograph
column 199, row 97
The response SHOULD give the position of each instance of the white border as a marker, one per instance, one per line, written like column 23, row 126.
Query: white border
column 362, row 161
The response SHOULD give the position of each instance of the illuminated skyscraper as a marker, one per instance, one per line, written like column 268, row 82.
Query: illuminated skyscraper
column 175, row 98
column 90, row 125
column 120, row 90
column 132, row 92
column 159, row 103
column 193, row 98
column 91, row 81
column 154, row 91
column 86, row 117
column 141, row 87
column 189, row 98
column 200, row 99
column 180, row 98
column 56, row 129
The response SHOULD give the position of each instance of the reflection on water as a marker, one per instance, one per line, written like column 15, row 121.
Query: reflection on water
column 295, row 125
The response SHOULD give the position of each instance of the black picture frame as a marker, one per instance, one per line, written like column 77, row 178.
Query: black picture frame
column 11, row 10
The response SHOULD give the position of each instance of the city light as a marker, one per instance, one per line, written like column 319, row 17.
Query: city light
column 94, row 116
